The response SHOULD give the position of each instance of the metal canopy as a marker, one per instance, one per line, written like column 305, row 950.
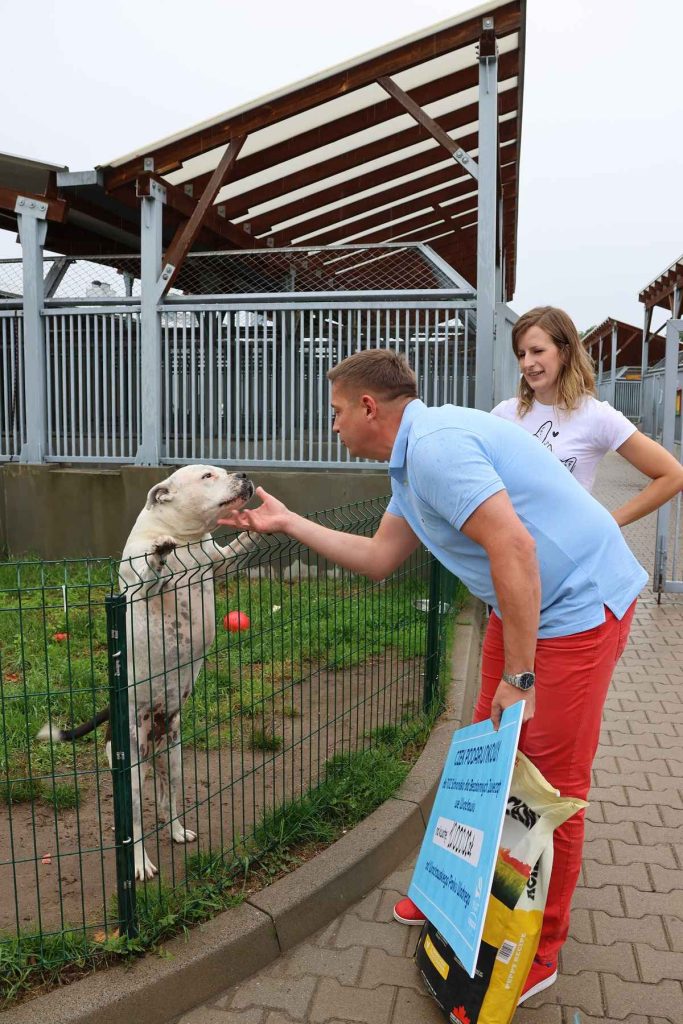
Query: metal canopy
column 383, row 148
column 628, row 343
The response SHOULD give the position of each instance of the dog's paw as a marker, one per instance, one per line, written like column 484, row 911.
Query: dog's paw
column 162, row 548
column 182, row 835
column 144, row 868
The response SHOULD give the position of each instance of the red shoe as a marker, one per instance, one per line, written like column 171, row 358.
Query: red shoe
column 405, row 912
column 542, row 975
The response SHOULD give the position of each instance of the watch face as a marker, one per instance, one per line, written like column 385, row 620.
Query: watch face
column 525, row 680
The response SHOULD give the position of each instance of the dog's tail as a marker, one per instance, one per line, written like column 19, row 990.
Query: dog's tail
column 51, row 732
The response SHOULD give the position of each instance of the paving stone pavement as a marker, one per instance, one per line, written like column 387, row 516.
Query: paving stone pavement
column 624, row 958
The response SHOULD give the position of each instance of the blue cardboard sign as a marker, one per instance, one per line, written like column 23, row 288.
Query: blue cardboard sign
column 454, row 872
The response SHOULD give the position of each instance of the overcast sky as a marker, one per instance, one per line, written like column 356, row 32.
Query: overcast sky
column 602, row 145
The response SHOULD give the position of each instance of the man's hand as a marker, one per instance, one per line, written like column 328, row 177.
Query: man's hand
column 270, row 517
column 507, row 695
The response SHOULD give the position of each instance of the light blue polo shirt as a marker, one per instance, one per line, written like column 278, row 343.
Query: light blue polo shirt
column 447, row 461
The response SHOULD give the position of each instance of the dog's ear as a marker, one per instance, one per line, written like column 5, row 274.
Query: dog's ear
column 158, row 494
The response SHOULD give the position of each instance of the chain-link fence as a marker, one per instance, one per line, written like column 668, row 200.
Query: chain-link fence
column 240, row 369
column 386, row 269
column 228, row 684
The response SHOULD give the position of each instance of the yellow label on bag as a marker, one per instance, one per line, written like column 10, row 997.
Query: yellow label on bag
column 436, row 958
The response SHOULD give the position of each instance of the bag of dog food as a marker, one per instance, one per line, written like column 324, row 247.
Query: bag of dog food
column 514, row 915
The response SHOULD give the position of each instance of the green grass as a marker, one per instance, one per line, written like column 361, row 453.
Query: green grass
column 330, row 624
column 264, row 739
column 353, row 787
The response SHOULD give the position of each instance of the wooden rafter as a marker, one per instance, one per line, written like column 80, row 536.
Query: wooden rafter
column 207, row 137
column 344, row 127
column 396, row 212
column 380, row 216
column 182, row 203
column 56, row 208
column 428, row 124
column 450, row 173
column 239, row 206
column 187, row 232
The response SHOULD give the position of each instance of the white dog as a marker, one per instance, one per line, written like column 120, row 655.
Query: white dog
column 171, row 623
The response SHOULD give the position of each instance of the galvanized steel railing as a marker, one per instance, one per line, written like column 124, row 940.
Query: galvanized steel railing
column 250, row 385
column 12, row 397
column 238, row 384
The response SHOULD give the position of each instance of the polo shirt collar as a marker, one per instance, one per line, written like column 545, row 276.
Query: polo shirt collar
column 400, row 449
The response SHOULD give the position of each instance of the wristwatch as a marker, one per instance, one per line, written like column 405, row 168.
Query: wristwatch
column 522, row 680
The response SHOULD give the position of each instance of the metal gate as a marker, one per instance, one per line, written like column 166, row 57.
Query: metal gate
column 668, row 572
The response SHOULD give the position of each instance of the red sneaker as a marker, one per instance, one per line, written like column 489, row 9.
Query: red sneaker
column 405, row 912
column 542, row 975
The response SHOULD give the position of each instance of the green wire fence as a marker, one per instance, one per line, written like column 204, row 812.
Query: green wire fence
column 317, row 666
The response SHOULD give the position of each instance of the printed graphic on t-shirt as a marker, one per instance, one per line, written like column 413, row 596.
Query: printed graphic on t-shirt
column 545, row 434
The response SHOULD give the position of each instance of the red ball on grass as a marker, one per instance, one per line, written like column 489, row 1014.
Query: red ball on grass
column 235, row 621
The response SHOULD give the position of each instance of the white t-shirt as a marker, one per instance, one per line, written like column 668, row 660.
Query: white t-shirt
column 579, row 439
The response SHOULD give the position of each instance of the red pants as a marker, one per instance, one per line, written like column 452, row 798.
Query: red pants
column 573, row 674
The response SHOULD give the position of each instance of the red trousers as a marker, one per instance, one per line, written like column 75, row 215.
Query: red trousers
column 573, row 674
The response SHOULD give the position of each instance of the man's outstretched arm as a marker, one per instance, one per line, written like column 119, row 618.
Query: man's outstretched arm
column 375, row 557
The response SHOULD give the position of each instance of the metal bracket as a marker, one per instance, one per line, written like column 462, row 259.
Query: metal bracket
column 148, row 163
column 165, row 274
column 28, row 207
column 157, row 191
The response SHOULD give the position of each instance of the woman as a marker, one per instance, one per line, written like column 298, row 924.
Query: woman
column 556, row 402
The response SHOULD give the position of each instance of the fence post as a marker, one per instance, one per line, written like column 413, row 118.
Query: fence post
column 32, row 225
column 121, row 769
column 152, row 283
column 433, row 652
column 487, row 254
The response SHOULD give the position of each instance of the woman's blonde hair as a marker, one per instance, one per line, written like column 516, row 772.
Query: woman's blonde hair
column 577, row 376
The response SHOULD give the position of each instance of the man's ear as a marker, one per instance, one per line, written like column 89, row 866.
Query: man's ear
column 369, row 404
column 158, row 494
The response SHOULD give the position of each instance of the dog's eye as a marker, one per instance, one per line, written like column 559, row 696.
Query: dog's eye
column 207, row 476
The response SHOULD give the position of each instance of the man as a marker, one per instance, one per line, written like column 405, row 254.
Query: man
column 499, row 511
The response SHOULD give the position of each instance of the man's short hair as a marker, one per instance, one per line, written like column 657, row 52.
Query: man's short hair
column 379, row 371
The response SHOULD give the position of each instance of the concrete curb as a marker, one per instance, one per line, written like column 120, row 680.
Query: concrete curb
column 244, row 939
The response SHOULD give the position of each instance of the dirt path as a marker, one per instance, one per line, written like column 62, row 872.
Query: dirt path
column 57, row 868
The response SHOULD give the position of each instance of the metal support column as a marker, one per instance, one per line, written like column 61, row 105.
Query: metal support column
column 645, row 359
column 151, row 289
column 613, row 366
column 486, row 217
column 32, row 224
column 674, row 338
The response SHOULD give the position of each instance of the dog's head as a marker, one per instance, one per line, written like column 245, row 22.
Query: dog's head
column 195, row 497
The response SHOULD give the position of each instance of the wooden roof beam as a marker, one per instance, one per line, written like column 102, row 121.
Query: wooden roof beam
column 423, row 119
column 406, row 230
column 369, row 203
column 354, row 159
column 399, row 210
column 179, row 200
column 188, row 232
column 417, row 51
column 56, row 209
column 344, row 127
